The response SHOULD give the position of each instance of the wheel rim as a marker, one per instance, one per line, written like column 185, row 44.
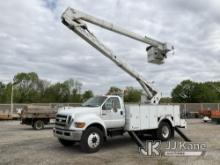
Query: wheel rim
column 165, row 131
column 38, row 125
column 94, row 140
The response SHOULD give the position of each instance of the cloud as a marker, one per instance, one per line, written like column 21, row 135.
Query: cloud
column 32, row 38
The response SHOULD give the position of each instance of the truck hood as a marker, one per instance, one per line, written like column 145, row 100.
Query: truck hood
column 78, row 110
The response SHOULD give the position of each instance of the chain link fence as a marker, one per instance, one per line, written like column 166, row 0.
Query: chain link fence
column 191, row 110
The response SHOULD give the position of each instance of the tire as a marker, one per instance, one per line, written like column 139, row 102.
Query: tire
column 92, row 140
column 164, row 131
column 38, row 125
column 66, row 143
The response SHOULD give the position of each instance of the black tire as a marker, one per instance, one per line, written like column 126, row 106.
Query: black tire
column 38, row 125
column 66, row 143
column 164, row 131
column 96, row 138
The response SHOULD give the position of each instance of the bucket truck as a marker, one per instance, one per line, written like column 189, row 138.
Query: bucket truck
column 101, row 117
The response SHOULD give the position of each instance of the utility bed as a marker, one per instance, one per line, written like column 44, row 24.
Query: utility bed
column 145, row 117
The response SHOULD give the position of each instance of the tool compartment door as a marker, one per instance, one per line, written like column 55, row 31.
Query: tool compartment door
column 149, row 114
column 132, row 117
column 145, row 116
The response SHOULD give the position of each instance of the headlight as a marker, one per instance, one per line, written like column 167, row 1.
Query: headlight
column 80, row 124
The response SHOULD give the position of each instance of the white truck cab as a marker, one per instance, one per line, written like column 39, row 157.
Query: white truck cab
column 103, row 116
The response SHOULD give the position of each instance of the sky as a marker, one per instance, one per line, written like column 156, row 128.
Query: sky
column 33, row 39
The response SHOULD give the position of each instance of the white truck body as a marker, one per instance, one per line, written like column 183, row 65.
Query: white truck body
column 123, row 118
column 145, row 117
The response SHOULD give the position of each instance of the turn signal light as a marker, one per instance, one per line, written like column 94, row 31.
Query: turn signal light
column 79, row 124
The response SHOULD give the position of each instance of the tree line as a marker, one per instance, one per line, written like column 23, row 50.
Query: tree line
column 196, row 92
column 29, row 88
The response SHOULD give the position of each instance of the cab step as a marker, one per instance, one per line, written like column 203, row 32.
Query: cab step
column 115, row 131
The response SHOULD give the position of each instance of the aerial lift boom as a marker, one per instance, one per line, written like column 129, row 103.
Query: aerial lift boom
column 157, row 51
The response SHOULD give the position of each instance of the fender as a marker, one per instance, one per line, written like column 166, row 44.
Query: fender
column 90, row 119
column 166, row 117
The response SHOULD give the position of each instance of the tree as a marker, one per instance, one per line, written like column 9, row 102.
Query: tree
column 2, row 92
column 87, row 94
column 5, row 93
column 193, row 92
column 58, row 92
column 26, row 87
column 183, row 93
column 132, row 95
column 114, row 90
column 29, row 88
column 165, row 100
column 73, row 85
column 204, row 92
column 75, row 96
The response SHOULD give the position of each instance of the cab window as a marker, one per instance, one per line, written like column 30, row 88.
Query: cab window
column 112, row 103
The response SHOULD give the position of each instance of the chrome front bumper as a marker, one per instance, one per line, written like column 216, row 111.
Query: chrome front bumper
column 67, row 134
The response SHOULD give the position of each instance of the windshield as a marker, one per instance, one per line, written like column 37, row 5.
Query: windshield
column 94, row 101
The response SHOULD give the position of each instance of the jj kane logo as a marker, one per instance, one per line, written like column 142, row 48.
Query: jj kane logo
column 156, row 148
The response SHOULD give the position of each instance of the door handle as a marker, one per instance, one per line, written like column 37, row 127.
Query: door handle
column 121, row 112
column 104, row 114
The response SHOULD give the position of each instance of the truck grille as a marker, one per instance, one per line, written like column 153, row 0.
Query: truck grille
column 61, row 121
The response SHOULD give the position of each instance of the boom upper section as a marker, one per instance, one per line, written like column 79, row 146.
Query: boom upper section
column 157, row 51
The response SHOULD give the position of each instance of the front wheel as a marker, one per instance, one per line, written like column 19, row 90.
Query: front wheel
column 92, row 140
column 164, row 131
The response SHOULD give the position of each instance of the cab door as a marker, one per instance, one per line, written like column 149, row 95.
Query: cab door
column 113, row 113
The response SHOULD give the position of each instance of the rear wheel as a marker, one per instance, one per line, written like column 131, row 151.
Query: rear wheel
column 92, row 140
column 66, row 143
column 164, row 131
column 38, row 125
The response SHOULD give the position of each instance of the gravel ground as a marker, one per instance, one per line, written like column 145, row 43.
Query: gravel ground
column 19, row 144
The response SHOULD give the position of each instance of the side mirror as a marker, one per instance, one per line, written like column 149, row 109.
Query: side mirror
column 103, row 107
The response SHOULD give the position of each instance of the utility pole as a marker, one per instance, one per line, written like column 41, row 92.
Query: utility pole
column 12, row 96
